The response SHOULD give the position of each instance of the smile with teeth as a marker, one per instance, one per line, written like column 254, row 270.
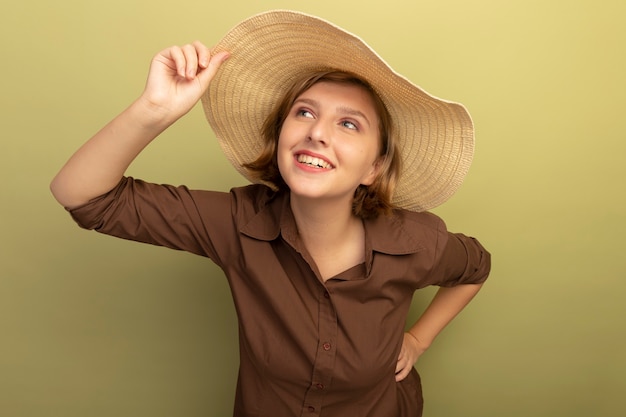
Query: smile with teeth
column 313, row 161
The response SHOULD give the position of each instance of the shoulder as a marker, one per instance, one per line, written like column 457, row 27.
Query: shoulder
column 249, row 200
column 405, row 231
column 419, row 221
column 258, row 210
column 424, row 226
column 253, row 196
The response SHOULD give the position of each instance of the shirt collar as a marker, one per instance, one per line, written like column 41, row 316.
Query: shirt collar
column 384, row 234
column 265, row 224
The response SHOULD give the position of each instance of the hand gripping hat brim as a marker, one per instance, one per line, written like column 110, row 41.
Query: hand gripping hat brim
column 270, row 50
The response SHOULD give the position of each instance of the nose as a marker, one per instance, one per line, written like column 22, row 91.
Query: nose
column 320, row 132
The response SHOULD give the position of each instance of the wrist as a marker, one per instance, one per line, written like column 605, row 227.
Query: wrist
column 151, row 115
column 420, row 342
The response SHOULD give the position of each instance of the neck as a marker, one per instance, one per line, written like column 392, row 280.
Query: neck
column 332, row 235
column 322, row 223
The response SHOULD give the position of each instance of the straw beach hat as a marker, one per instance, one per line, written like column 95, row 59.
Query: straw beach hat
column 269, row 51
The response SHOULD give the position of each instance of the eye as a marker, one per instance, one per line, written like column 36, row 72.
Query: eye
column 304, row 113
column 349, row 125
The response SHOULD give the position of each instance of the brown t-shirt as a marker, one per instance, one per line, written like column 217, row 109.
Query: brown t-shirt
column 307, row 347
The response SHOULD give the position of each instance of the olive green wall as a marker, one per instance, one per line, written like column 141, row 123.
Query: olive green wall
column 94, row 326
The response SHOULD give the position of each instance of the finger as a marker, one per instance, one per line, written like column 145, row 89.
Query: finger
column 191, row 61
column 215, row 62
column 204, row 54
column 401, row 363
column 402, row 374
column 176, row 55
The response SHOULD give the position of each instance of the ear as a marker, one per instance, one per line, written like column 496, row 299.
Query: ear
column 374, row 172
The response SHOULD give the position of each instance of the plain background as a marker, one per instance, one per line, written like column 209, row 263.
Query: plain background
column 95, row 326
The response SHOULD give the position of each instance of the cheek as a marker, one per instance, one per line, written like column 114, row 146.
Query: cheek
column 360, row 155
column 370, row 163
column 282, row 152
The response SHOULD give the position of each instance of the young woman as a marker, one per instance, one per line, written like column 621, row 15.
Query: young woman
column 324, row 251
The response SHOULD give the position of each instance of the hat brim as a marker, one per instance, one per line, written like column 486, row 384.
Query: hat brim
column 270, row 50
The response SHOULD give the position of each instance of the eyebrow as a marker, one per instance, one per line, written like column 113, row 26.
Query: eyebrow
column 341, row 109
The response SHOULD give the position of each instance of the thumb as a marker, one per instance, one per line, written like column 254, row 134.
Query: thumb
column 206, row 75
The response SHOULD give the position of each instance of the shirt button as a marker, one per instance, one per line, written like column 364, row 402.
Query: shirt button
column 326, row 295
column 319, row 386
column 326, row 346
column 311, row 409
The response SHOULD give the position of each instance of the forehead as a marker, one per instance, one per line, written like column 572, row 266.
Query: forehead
column 343, row 94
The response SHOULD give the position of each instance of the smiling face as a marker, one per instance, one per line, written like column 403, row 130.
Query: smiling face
column 329, row 143
column 369, row 201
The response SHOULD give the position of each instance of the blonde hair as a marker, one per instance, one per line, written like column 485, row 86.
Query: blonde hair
column 369, row 201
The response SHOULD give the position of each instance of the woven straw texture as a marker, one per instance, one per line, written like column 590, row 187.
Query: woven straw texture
column 269, row 50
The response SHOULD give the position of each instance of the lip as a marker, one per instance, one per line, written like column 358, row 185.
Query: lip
column 313, row 155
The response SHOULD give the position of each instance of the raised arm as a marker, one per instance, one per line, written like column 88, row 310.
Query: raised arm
column 177, row 79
